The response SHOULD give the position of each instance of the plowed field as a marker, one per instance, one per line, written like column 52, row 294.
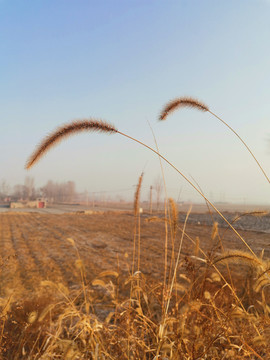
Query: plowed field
column 34, row 247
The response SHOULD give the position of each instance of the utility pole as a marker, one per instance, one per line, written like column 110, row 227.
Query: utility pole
column 93, row 200
column 150, row 208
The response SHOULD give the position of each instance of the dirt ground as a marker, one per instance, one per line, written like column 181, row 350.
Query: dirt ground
column 34, row 247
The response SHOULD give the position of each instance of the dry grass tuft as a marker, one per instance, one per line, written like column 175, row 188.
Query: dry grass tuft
column 204, row 319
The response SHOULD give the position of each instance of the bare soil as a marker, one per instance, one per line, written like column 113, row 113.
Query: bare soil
column 34, row 246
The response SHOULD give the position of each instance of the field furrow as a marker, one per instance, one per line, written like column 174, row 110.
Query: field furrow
column 35, row 247
column 10, row 270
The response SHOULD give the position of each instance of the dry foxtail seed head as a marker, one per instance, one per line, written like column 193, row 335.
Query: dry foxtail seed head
column 181, row 102
column 239, row 256
column 65, row 131
column 174, row 215
column 137, row 195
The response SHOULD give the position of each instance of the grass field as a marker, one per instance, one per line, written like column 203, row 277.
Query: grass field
column 69, row 290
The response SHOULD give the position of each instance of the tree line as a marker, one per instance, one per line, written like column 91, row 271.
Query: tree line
column 52, row 191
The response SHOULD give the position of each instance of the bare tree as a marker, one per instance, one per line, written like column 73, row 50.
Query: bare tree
column 29, row 188
column 70, row 188
column 4, row 188
column 18, row 191
column 59, row 192
column 48, row 191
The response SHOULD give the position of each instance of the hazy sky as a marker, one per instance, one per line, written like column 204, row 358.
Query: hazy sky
column 121, row 61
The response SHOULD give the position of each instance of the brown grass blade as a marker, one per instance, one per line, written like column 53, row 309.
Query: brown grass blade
column 65, row 131
column 182, row 102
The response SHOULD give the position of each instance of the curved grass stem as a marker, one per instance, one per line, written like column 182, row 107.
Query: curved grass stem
column 243, row 142
column 194, row 187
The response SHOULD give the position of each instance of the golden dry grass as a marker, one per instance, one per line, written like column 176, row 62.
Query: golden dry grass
column 108, row 312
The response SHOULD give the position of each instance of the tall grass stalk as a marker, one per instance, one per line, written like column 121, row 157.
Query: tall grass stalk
column 163, row 325
column 209, row 260
column 219, row 237
column 166, row 213
column 137, row 225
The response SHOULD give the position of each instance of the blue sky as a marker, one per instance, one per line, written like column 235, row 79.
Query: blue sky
column 122, row 61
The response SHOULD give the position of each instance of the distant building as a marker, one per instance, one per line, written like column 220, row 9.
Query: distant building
column 40, row 203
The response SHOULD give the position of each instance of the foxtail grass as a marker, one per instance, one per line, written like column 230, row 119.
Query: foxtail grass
column 181, row 102
column 177, row 103
column 79, row 126
column 65, row 131
column 96, row 125
column 137, row 196
column 137, row 224
column 200, row 319
column 239, row 256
